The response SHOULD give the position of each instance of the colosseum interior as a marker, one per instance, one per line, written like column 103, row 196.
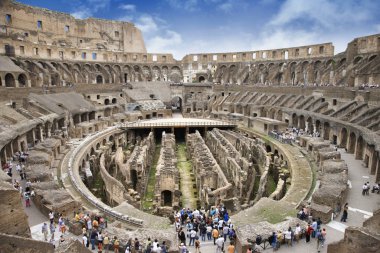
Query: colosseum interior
column 102, row 127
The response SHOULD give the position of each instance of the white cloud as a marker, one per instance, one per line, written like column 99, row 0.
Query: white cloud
column 82, row 14
column 188, row 5
column 226, row 6
column 164, row 42
column 147, row 24
column 128, row 7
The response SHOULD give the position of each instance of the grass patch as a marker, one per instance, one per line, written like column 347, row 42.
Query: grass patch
column 185, row 167
column 271, row 184
column 147, row 201
column 272, row 215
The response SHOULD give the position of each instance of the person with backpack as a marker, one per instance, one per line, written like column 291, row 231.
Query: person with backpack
column 273, row 241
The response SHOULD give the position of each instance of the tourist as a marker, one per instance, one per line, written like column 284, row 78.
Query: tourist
column 182, row 237
column 308, row 232
column 137, row 244
column 225, row 232
column 288, row 237
column 345, row 213
column 203, row 231
column 116, row 245
column 314, row 226
column 367, row 188
column 182, row 248
column 51, row 217
column 45, row 230
column 197, row 245
column 52, row 231
column 93, row 236
column 219, row 244
column 215, row 234
column 209, row 232
column 164, row 247
column 61, row 239
column 324, row 233
column 100, row 238
column 193, row 234
column 376, row 188
column 85, row 240
column 297, row 232
column 231, row 248
column 364, row 189
column 273, row 241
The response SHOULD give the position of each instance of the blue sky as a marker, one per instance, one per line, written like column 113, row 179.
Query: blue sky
column 182, row 27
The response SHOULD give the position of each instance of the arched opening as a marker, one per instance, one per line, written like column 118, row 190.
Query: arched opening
column 176, row 104
column 10, row 80
column 309, row 125
column 294, row 120
column 22, row 81
column 351, row 147
column 343, row 138
column 106, row 101
column 279, row 115
column 326, row 131
column 302, row 122
column 318, row 126
column 114, row 100
column 272, row 113
column 166, row 198
column 201, row 79
column 98, row 146
column 104, row 142
column 359, row 148
column 134, row 179
column 268, row 149
column 99, row 79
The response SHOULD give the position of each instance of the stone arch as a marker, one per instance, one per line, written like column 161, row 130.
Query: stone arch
column 301, row 122
column 309, row 125
column 98, row 146
column 201, row 79
column 343, row 137
column 351, row 143
column 104, row 142
column 326, row 130
column 372, row 57
column 99, row 79
column 22, row 80
column 114, row 101
column 175, row 74
column 106, row 101
column 359, row 148
column 166, row 198
column 156, row 73
column 134, row 178
column 357, row 59
column 279, row 115
column 318, row 126
column 268, row 148
column 295, row 120
column 9, row 80
column 272, row 113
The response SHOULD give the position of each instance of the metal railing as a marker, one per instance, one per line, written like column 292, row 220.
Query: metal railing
column 137, row 124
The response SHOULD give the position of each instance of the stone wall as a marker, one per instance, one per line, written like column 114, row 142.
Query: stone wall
column 211, row 181
column 364, row 239
column 13, row 220
column 17, row 244
column 167, row 192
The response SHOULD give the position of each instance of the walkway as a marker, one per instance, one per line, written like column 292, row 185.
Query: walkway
column 360, row 207
column 185, row 169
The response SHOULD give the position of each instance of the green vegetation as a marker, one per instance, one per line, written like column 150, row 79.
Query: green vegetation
column 272, row 215
column 271, row 184
column 97, row 188
column 189, row 197
column 147, row 201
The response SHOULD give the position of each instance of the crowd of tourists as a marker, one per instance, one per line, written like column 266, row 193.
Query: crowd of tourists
column 196, row 226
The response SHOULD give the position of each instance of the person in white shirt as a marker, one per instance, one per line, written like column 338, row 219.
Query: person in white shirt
column 84, row 240
column 297, row 232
